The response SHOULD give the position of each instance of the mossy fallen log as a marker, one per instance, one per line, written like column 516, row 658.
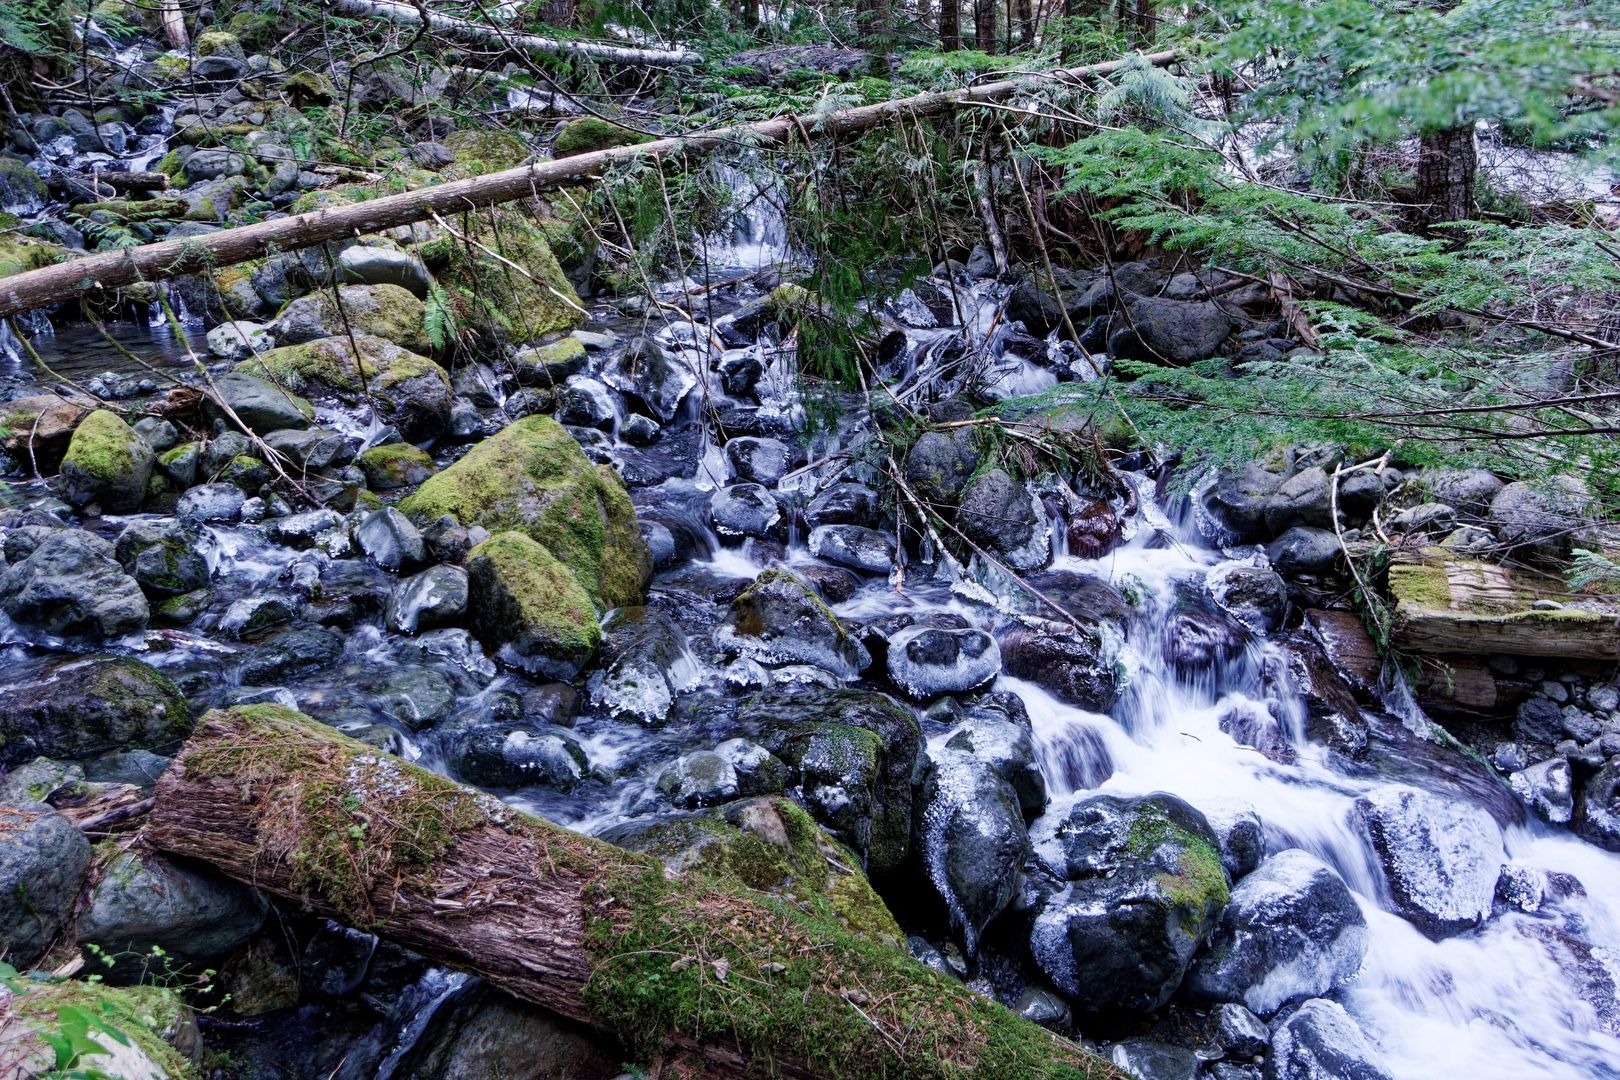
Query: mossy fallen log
column 35, row 288
column 675, row 966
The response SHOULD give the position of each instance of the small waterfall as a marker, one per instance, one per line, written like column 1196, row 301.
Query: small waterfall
column 758, row 235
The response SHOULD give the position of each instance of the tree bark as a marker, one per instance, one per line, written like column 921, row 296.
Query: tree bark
column 877, row 35
column 747, row 983
column 1447, row 164
column 950, row 25
column 984, row 25
column 474, row 31
column 117, row 269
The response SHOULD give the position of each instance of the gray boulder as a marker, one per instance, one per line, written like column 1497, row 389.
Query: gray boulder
column 314, row 450
column 972, row 839
column 239, row 339
column 1004, row 517
column 1170, row 331
column 390, row 540
column 940, row 463
column 758, row 460
column 744, row 510
column 43, row 860
column 1253, row 595
column 211, row 502
column 927, row 661
column 263, row 406
column 1304, row 550
column 1441, row 857
column 1291, row 930
column 1320, row 1041
column 435, row 597
column 780, row 620
column 83, row 706
column 146, row 901
column 162, row 557
column 1238, row 502
column 1471, row 491
column 1544, row 519
column 71, row 585
column 364, row 265
column 843, row 503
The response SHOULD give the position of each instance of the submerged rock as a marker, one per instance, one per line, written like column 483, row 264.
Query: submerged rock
column 1441, row 857
column 1140, row 885
column 1291, row 930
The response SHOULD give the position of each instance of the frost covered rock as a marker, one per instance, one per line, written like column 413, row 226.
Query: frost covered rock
column 1320, row 1041
column 780, row 620
column 1291, row 930
column 842, row 504
column 1242, row 836
column 972, row 839
column 757, row 460
column 1441, row 857
column 701, row 778
column 652, row 382
column 1599, row 819
column 1253, row 595
column 1547, row 788
column 1004, row 517
column 647, row 662
column 857, row 547
column 1072, row 667
column 502, row 756
column 997, row 733
column 744, row 510
column 927, row 661
column 1144, row 888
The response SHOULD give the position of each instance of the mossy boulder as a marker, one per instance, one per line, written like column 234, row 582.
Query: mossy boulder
column 488, row 296
column 107, row 462
column 524, row 601
column 409, row 390
column 85, row 706
column 771, row 845
column 395, row 465
column 20, row 253
column 309, row 88
column 593, row 133
column 779, row 619
column 481, row 151
column 218, row 43
column 533, row 477
column 549, row 365
column 21, row 189
column 386, row 311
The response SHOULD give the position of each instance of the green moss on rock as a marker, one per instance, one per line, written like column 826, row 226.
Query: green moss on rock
column 107, row 461
column 331, row 362
column 479, row 152
column 533, row 477
column 524, row 600
column 20, row 253
column 218, row 43
column 593, row 133
column 395, row 465
column 486, row 295
column 153, row 1021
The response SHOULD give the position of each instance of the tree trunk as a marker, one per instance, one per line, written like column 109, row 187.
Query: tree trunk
column 877, row 35
column 950, row 25
column 1447, row 163
column 1146, row 22
column 1023, row 14
column 984, row 25
column 739, row 982
column 467, row 29
column 149, row 262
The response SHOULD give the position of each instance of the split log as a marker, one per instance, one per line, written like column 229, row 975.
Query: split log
column 469, row 30
column 672, row 965
column 117, row 269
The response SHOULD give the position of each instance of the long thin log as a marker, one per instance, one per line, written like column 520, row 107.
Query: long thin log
column 117, row 269
column 467, row 29
column 667, row 963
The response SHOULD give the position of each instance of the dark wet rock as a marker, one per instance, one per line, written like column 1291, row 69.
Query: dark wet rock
column 740, row 371
column 757, row 460
column 1539, row 720
column 1320, row 1041
column 435, row 597
column 1543, row 519
column 1547, row 787
column 971, row 839
column 1094, row 530
column 71, row 585
column 290, row 653
column 651, row 379
column 1170, row 331
column 1291, row 930
column 1035, row 308
column 854, row 546
column 523, row 600
column 780, row 620
column 263, row 406
column 1471, row 491
column 1238, row 1033
column 416, row 697
column 490, row 1036
column 997, row 733
column 854, row 752
column 1441, row 857
column 843, row 503
column 312, row 449
column 1195, row 643
column 1332, row 714
column 744, row 510
column 1144, row 886
column 638, row 430
column 1150, row 1059
column 645, row 662
column 390, row 540
column 503, row 756
column 940, row 463
column 1004, row 517
column 305, row 529
column 254, row 614
column 1425, row 519
column 1071, row 667
column 1040, row 1005
column 1303, row 499
column 145, row 901
column 211, row 502
column 927, row 661
column 1242, row 837
column 162, row 557
column 43, row 860
column 1253, row 595
column 106, row 463
column 1304, row 550
column 1598, row 814
column 585, row 402
column 1238, row 501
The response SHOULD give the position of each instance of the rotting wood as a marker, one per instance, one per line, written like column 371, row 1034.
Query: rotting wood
column 149, row 262
column 274, row 799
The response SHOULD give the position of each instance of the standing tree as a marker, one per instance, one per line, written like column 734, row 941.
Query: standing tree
column 984, row 25
column 950, row 25
column 876, row 23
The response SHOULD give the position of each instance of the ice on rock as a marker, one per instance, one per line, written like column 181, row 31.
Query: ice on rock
column 1440, row 857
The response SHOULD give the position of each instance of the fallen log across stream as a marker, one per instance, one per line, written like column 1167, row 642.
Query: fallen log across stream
column 150, row 262
column 676, row 967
